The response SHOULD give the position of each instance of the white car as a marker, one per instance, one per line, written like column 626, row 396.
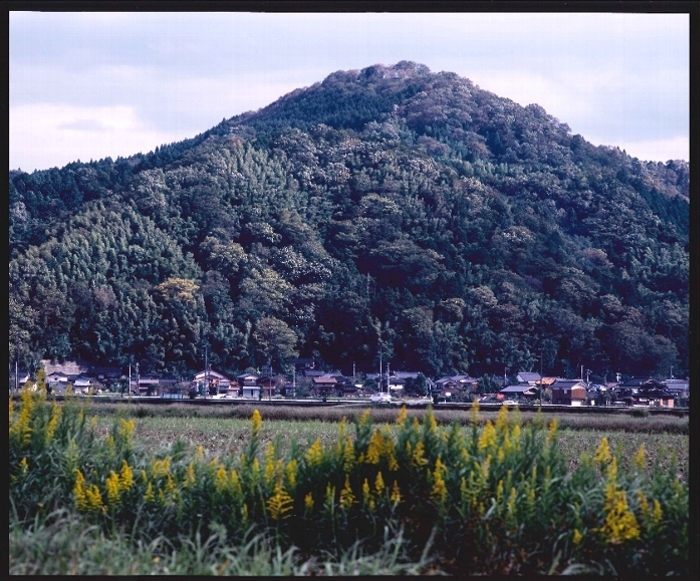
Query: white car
column 380, row 398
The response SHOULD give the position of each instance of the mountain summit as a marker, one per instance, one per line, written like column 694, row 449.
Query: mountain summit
column 390, row 209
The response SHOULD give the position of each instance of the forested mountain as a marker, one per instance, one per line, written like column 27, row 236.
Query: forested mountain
column 391, row 208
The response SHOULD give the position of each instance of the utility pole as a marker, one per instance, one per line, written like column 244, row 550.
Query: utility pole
column 206, row 371
column 388, row 367
column 541, row 378
column 381, row 375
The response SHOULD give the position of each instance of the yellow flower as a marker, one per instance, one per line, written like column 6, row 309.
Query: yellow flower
column 235, row 483
column 112, row 485
column 79, row 492
column 379, row 483
column 500, row 456
column 190, row 478
column 390, row 452
column 270, row 463
column 149, row 495
column 161, row 467
column 280, row 504
column 330, row 498
column 484, row 476
column 309, row 501
column 256, row 421
column 347, row 498
column 395, row 493
column 643, row 504
column 510, row 505
column 657, row 515
column 348, row 454
column 200, row 453
column 376, row 447
column 515, row 437
column 221, row 479
column 21, row 429
column 439, row 490
column 126, row 477
column 401, row 418
column 620, row 523
column 291, row 472
column 488, row 437
column 578, row 537
column 127, row 428
column 314, row 455
column 552, row 432
column 365, row 418
column 602, row 453
column 367, row 496
column 502, row 419
column 93, row 498
column 53, row 422
column 474, row 411
column 418, row 457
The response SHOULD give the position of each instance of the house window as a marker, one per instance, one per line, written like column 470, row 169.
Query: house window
column 566, row 392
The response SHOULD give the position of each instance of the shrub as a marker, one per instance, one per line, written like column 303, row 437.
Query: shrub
column 497, row 498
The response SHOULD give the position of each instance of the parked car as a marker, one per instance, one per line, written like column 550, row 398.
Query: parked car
column 380, row 398
column 509, row 402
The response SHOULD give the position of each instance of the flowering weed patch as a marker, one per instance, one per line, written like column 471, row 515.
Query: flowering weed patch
column 493, row 499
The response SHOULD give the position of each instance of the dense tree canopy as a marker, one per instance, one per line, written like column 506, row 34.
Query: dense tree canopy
column 388, row 208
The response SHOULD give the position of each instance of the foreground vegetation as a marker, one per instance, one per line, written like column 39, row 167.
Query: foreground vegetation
column 496, row 497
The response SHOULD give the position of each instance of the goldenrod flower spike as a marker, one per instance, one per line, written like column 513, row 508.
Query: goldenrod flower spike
column 256, row 421
column 602, row 453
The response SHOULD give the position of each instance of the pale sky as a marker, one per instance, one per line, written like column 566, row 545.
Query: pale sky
column 91, row 85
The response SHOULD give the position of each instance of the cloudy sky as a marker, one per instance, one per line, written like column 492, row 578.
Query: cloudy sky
column 91, row 85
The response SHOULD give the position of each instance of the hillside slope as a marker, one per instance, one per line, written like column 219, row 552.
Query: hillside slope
column 390, row 208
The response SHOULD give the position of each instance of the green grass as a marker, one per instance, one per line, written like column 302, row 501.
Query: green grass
column 67, row 544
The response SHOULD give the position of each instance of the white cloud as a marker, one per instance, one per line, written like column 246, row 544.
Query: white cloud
column 652, row 150
column 47, row 135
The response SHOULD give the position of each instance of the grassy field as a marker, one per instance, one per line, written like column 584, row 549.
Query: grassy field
column 224, row 431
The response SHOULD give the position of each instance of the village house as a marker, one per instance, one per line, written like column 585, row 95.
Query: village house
column 248, row 384
column 325, row 385
column 449, row 386
column 521, row 392
column 529, row 377
column 218, row 383
column 568, row 392
column 678, row 387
